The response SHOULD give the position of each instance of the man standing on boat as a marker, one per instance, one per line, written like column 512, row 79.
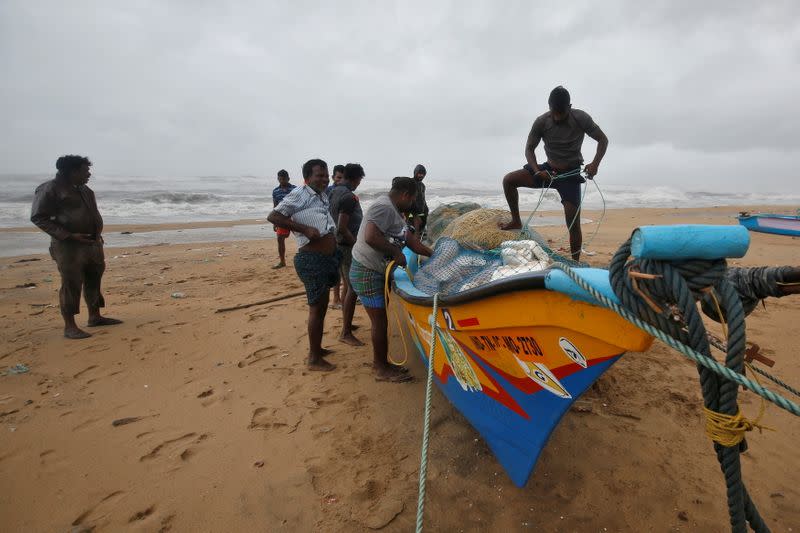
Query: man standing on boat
column 562, row 129
column 419, row 211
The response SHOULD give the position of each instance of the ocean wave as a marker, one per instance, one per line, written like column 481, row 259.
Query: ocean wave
column 178, row 198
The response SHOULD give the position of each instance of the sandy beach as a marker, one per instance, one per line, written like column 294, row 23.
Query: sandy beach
column 183, row 419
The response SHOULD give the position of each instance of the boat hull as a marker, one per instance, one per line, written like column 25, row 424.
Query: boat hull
column 514, row 362
column 775, row 224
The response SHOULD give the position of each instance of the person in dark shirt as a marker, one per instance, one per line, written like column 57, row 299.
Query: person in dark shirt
column 65, row 208
column 346, row 211
column 336, row 178
column 562, row 129
column 278, row 194
column 419, row 211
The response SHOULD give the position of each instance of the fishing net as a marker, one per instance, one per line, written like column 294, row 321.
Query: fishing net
column 473, row 251
column 442, row 216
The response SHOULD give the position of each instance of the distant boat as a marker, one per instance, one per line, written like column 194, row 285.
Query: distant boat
column 768, row 223
column 514, row 354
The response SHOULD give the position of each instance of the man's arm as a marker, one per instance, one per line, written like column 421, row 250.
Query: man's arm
column 343, row 230
column 602, row 146
column 534, row 138
column 42, row 212
column 416, row 246
column 374, row 237
column 279, row 219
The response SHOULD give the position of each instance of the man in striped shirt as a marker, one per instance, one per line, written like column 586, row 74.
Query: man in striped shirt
column 306, row 212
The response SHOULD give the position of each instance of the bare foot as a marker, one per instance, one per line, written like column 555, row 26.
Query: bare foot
column 392, row 374
column 350, row 339
column 279, row 265
column 103, row 321
column 514, row 224
column 320, row 365
column 76, row 333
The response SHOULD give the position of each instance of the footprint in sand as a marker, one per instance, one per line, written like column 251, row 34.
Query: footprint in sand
column 258, row 355
column 333, row 399
column 85, row 424
column 209, row 397
column 177, row 442
column 357, row 403
column 141, row 515
column 264, row 418
column 82, row 372
column 45, row 458
column 100, row 510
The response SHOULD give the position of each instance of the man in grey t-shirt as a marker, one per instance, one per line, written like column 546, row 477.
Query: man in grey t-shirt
column 381, row 238
column 562, row 129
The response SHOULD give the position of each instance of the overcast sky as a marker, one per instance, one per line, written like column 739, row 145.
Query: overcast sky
column 697, row 95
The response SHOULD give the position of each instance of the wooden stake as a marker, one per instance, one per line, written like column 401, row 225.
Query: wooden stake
column 262, row 302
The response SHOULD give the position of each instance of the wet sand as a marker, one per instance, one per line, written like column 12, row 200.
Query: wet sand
column 183, row 419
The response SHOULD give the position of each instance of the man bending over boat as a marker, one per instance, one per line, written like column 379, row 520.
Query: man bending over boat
column 305, row 211
column 381, row 238
column 562, row 129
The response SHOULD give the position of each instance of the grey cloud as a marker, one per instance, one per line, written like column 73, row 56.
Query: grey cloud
column 211, row 88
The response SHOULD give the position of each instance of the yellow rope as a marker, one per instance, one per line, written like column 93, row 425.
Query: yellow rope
column 386, row 277
column 729, row 430
column 710, row 290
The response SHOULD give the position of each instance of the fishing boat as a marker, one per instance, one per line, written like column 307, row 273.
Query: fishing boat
column 513, row 354
column 769, row 223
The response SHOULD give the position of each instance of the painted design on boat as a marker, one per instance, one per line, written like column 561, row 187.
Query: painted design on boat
column 462, row 369
column 572, row 352
column 543, row 377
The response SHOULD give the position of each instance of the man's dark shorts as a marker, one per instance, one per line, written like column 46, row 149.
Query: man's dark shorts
column 318, row 272
column 568, row 188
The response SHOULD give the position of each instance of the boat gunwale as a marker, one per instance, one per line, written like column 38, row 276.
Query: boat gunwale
column 769, row 215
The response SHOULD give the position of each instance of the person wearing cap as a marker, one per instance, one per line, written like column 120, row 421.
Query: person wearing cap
column 419, row 210
column 278, row 194
column 562, row 129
